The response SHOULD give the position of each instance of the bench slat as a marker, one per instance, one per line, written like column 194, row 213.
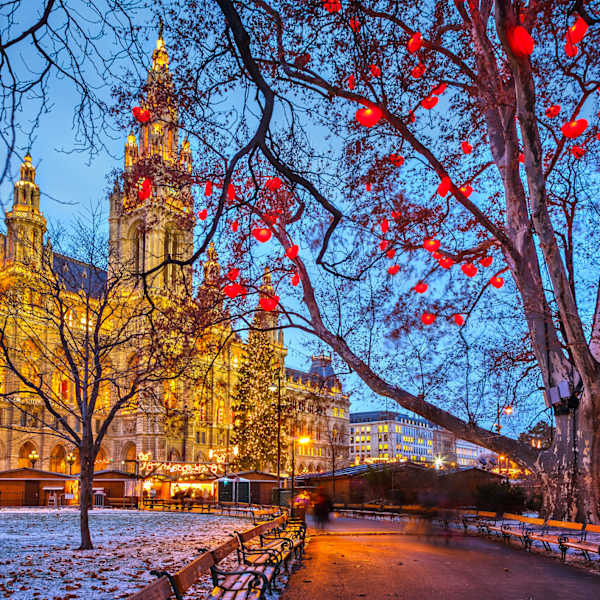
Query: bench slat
column 565, row 525
column 157, row 590
column 187, row 576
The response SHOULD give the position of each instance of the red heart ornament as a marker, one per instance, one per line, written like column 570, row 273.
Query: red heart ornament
column 269, row 303
column 458, row 319
column 231, row 192
column 142, row 115
column 391, row 253
column 233, row 273
column 208, row 187
column 576, row 32
column 466, row 147
column 553, row 111
column 469, row 269
column 446, row 262
column 444, row 186
column 144, row 189
column 202, row 214
column 571, row 50
column 292, row 252
column 385, row 225
column 415, row 42
column 421, row 287
column 368, row 116
column 486, row 261
column 234, row 226
column 577, row 151
column 431, row 245
column 262, row 234
column 354, row 25
column 393, row 269
column 295, row 279
column 273, row 184
column 397, row 159
column 497, row 282
column 573, row 129
column 233, row 289
column 466, row 189
column 375, row 71
column 383, row 244
column 439, row 89
column 428, row 318
column 418, row 71
column 351, row 82
column 519, row 41
column 429, row 102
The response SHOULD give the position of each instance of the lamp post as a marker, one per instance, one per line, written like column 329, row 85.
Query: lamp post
column 33, row 457
column 272, row 388
column 507, row 410
column 302, row 441
column 70, row 461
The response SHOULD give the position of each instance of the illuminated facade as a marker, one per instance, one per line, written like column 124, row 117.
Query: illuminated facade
column 144, row 229
column 385, row 436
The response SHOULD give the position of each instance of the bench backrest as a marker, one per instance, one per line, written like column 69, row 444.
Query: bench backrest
column 487, row 513
column 592, row 528
column 565, row 525
column 160, row 589
column 187, row 576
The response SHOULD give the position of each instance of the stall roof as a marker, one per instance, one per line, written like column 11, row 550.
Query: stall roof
column 32, row 474
column 357, row 470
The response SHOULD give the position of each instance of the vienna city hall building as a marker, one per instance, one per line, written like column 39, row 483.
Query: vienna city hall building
column 145, row 229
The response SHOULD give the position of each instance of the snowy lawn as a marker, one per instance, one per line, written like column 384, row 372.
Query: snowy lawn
column 39, row 560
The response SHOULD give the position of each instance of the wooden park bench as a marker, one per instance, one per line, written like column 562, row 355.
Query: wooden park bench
column 547, row 538
column 582, row 544
column 247, row 582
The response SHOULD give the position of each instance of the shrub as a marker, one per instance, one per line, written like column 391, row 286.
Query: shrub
column 500, row 497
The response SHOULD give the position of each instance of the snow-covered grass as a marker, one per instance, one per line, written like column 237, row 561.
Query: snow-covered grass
column 39, row 560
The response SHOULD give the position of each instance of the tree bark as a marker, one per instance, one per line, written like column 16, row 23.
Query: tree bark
column 86, row 477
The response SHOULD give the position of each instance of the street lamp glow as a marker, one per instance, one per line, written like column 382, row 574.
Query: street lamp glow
column 273, row 388
column 438, row 462
column 304, row 440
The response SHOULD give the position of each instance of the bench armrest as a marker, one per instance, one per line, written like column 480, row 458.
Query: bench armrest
column 259, row 580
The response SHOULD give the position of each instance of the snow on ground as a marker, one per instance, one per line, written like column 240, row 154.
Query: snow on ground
column 39, row 560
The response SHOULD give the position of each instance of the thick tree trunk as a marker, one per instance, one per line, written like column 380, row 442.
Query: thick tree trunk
column 570, row 470
column 85, row 497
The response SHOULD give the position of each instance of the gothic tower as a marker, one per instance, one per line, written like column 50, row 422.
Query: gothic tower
column 152, row 217
column 25, row 224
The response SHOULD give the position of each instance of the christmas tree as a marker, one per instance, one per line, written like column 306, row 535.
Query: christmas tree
column 254, row 405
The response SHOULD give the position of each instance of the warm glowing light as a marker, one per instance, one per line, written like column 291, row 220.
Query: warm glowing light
column 304, row 440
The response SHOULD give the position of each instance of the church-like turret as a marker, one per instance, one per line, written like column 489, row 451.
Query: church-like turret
column 151, row 218
column 25, row 224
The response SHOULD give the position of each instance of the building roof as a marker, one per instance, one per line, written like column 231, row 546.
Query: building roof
column 320, row 374
column 357, row 470
column 77, row 275
column 386, row 415
column 29, row 473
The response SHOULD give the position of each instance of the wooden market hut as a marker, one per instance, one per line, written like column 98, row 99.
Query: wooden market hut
column 34, row 487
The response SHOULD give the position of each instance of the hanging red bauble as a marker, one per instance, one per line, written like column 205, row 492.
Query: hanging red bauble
column 446, row 262
column 458, row 319
column 383, row 244
column 429, row 102
column 233, row 289
column 385, row 225
column 418, row 71
column 351, row 82
column 573, row 129
column 421, row 287
column 427, row 318
column 232, row 274
column 431, row 245
column 396, row 215
column 553, row 111
column 375, row 71
column 577, row 151
column 332, row 6
column 411, row 116
column 368, row 116
column 519, row 41
column 262, row 234
column 231, row 192
column 497, row 282
column 466, row 147
column 354, row 25
column 438, row 90
column 145, row 189
column 486, row 261
column 521, row 157
column 208, row 187
column 444, row 186
column 292, row 252
column 571, row 50
column 234, row 226
column 415, row 42
column 270, row 219
column 469, row 269
column 397, row 159
column 391, row 253
column 393, row 269
column 202, row 214
column 368, row 186
column 273, row 184
column 466, row 189
column 576, row 32
column 142, row 115
column 295, row 279
column 269, row 303
column 436, row 255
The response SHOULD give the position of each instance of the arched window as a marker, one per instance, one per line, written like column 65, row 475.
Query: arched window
column 171, row 249
column 26, row 449
column 57, row 459
column 139, row 249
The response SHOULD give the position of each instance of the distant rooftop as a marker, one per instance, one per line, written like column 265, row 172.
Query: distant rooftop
column 320, row 373
column 386, row 415
column 77, row 275
column 362, row 469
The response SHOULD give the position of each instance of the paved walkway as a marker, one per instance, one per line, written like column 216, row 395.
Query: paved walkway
column 348, row 565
